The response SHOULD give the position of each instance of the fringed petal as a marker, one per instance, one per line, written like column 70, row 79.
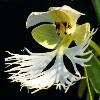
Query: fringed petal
column 26, row 66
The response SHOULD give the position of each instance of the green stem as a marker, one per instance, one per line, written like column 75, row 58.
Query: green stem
column 95, row 47
column 66, row 41
column 87, row 81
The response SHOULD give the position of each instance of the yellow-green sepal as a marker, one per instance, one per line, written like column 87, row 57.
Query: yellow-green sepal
column 81, row 33
column 46, row 35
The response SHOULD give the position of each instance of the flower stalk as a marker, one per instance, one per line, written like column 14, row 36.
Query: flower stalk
column 66, row 41
column 88, row 86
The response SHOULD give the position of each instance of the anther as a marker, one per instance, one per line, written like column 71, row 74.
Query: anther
column 57, row 25
column 65, row 33
column 65, row 24
column 69, row 26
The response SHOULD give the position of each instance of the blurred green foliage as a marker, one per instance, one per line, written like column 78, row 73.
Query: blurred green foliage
column 96, row 4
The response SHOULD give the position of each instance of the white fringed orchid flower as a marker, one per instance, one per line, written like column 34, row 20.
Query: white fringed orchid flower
column 57, row 33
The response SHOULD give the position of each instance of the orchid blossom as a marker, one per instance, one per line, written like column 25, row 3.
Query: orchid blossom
column 60, row 29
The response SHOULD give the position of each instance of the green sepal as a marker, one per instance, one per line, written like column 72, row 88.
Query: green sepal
column 81, row 33
column 46, row 36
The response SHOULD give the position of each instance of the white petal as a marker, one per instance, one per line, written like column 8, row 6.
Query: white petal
column 37, row 17
column 76, row 14
column 69, row 11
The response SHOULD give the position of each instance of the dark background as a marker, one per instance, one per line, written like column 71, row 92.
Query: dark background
column 14, row 37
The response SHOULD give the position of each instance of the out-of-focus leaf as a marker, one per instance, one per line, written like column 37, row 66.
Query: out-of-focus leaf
column 93, row 73
column 46, row 35
column 96, row 4
column 82, row 88
column 95, row 47
column 87, row 96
